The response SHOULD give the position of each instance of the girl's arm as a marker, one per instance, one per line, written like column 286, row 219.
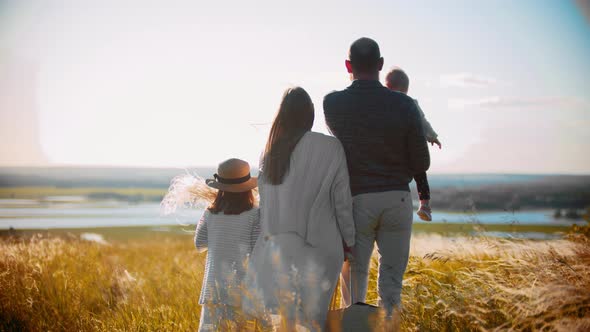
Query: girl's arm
column 201, row 234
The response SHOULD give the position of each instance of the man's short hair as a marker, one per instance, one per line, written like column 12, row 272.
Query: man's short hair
column 398, row 80
column 364, row 54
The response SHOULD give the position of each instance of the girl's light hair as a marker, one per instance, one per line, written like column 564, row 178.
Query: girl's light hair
column 188, row 191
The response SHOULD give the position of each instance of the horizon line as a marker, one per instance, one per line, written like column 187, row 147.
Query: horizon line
column 82, row 166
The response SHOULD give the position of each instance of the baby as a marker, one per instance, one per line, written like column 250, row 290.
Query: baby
column 398, row 80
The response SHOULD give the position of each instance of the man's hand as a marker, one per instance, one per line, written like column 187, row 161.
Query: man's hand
column 435, row 141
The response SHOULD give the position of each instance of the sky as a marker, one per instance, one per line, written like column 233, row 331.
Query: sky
column 191, row 83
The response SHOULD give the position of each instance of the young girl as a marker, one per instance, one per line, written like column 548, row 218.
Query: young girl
column 228, row 229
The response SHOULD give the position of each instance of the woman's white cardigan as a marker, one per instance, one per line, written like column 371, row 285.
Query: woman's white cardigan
column 314, row 196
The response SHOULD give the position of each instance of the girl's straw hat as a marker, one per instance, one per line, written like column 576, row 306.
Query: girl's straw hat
column 233, row 175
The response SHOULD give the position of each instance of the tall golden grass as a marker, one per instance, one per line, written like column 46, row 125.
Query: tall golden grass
column 63, row 283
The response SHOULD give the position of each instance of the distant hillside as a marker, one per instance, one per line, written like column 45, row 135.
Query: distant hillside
column 456, row 192
column 549, row 192
column 160, row 177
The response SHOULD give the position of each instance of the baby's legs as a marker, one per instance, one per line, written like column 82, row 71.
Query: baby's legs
column 424, row 212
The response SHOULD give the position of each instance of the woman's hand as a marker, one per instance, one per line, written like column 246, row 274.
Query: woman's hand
column 347, row 252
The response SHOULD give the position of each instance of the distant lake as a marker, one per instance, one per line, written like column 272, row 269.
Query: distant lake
column 77, row 213
column 532, row 217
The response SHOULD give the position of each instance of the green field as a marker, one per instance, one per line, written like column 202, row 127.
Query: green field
column 145, row 280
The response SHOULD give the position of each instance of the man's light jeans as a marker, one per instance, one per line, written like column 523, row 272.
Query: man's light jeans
column 385, row 218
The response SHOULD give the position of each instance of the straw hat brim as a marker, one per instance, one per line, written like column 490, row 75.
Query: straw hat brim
column 233, row 188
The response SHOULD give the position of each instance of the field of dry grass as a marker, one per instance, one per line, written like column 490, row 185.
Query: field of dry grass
column 59, row 282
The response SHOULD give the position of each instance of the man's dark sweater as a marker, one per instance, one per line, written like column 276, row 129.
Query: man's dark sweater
column 381, row 132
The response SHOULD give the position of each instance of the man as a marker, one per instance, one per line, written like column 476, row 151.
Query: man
column 382, row 135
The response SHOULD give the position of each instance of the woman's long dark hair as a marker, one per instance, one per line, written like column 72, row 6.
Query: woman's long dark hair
column 294, row 118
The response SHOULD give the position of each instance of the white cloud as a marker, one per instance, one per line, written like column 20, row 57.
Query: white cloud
column 534, row 102
column 466, row 80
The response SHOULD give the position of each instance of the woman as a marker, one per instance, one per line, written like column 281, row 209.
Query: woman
column 306, row 216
